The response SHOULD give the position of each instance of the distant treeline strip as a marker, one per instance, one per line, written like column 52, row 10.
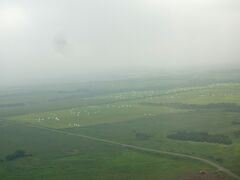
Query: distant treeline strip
column 11, row 105
column 232, row 107
column 17, row 154
column 236, row 134
column 201, row 137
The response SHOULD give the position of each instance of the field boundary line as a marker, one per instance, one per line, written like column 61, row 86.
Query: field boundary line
column 144, row 149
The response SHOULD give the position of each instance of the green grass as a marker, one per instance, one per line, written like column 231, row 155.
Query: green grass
column 57, row 156
column 159, row 127
column 92, row 115
column 118, row 116
column 216, row 93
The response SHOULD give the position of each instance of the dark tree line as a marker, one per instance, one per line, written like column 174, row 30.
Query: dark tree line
column 237, row 134
column 236, row 122
column 142, row 136
column 201, row 137
column 11, row 105
column 231, row 107
column 17, row 154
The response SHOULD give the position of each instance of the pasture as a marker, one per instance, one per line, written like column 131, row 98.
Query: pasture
column 144, row 118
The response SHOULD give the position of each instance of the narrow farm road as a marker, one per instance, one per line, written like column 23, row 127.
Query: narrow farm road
column 220, row 168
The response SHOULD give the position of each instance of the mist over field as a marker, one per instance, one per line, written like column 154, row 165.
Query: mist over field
column 120, row 89
column 53, row 40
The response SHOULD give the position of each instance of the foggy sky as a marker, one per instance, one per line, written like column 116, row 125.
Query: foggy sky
column 57, row 38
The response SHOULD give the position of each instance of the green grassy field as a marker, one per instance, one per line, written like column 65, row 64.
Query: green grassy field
column 143, row 117
column 57, row 156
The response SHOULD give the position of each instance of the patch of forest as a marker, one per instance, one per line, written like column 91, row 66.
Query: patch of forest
column 16, row 155
column 236, row 134
column 201, row 137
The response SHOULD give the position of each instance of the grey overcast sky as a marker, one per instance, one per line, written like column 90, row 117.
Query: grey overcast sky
column 56, row 38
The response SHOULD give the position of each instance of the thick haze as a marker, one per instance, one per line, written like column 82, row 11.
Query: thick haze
column 49, row 39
